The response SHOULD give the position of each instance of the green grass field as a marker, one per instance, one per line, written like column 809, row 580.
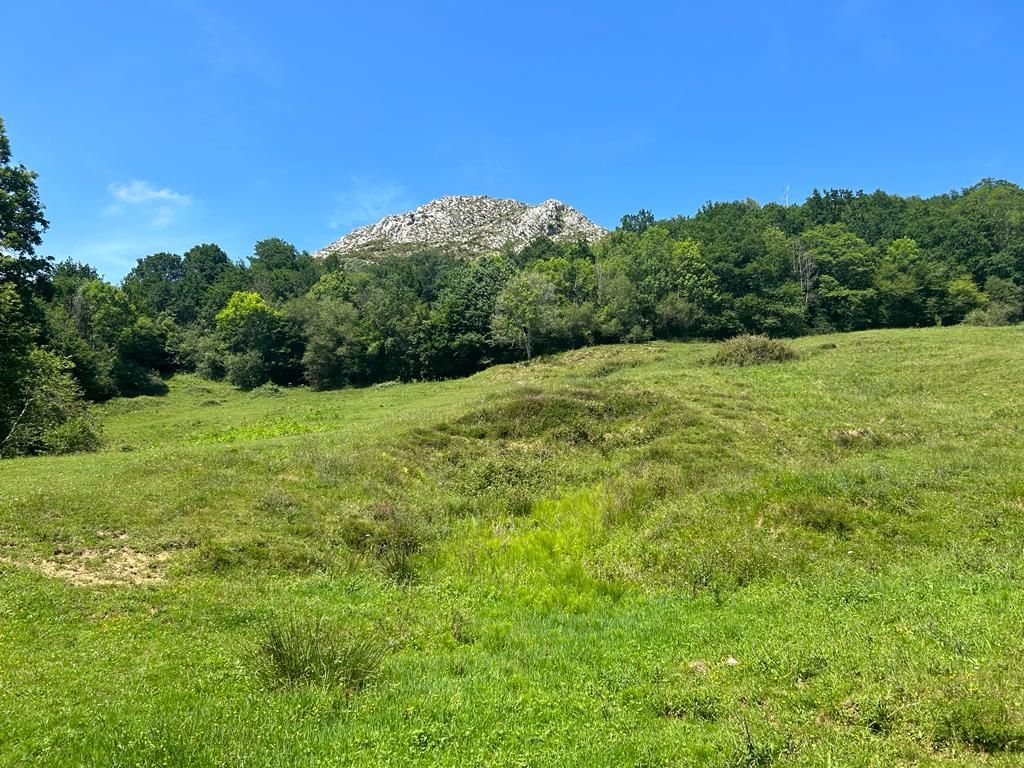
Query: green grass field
column 612, row 557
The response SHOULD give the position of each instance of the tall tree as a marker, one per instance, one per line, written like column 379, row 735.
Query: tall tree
column 209, row 279
column 21, row 214
column 261, row 343
column 21, row 225
column 154, row 282
column 638, row 222
column 278, row 271
column 526, row 311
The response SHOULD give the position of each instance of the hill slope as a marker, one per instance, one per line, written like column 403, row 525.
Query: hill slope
column 473, row 224
column 615, row 556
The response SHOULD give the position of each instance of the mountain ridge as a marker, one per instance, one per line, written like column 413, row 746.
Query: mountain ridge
column 471, row 223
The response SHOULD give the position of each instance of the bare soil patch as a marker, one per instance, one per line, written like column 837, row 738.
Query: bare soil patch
column 100, row 567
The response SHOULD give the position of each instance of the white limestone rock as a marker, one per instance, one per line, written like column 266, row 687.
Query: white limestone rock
column 467, row 223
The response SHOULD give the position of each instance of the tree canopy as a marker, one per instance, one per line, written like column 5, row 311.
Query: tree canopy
column 21, row 213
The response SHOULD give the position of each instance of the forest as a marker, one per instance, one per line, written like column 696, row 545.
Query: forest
column 842, row 260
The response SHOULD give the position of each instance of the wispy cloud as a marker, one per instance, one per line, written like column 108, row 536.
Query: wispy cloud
column 143, row 192
column 364, row 202
column 160, row 205
column 228, row 48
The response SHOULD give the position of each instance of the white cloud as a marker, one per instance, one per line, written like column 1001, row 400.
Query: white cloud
column 365, row 202
column 143, row 192
column 160, row 204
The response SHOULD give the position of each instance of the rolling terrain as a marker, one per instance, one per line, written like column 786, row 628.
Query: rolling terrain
column 615, row 556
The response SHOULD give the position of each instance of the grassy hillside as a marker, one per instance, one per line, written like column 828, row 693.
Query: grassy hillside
column 616, row 556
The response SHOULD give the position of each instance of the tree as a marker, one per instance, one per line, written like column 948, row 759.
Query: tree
column 1006, row 297
column 525, row 312
column 153, row 283
column 115, row 349
column 903, row 286
column 278, row 271
column 21, row 227
column 260, row 341
column 457, row 338
column 208, row 280
column 638, row 222
column 41, row 408
column 962, row 297
column 21, row 214
column 68, row 277
column 842, row 255
column 49, row 413
column 333, row 355
column 15, row 351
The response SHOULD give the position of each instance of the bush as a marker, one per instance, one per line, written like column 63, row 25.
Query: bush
column 296, row 651
column 247, row 370
column 193, row 350
column 210, row 365
column 267, row 390
column 993, row 315
column 133, row 380
column 749, row 349
column 48, row 413
column 77, row 434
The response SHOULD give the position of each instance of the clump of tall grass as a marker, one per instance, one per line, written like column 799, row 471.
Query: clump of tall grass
column 978, row 720
column 749, row 349
column 392, row 534
column 297, row 651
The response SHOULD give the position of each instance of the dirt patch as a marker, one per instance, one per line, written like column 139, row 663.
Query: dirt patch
column 98, row 567
column 854, row 436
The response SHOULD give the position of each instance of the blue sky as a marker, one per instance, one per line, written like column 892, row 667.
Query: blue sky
column 158, row 125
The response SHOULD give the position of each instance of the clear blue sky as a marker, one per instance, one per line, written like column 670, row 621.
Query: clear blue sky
column 158, row 125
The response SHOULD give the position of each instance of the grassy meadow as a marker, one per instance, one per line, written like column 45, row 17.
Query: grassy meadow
column 618, row 556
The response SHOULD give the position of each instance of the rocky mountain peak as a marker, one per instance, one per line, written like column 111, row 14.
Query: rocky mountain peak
column 468, row 223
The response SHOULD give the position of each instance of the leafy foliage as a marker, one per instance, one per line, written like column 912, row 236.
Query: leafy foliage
column 21, row 213
column 47, row 414
column 259, row 341
column 525, row 312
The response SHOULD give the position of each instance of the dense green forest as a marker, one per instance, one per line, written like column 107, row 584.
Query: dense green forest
column 842, row 260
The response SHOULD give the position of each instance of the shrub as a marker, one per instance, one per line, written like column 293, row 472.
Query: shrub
column 247, row 370
column 210, row 365
column 573, row 416
column 298, row 651
column 267, row 390
column 77, row 434
column 192, row 350
column 749, row 349
column 48, row 414
column 133, row 380
column 993, row 315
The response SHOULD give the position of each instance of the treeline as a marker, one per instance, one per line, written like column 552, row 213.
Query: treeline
column 840, row 261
